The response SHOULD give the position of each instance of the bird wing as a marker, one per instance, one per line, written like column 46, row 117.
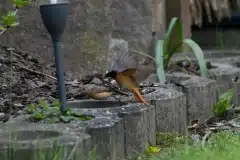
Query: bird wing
column 122, row 61
column 131, row 73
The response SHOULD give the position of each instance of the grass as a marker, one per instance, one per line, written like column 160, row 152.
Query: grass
column 57, row 152
column 222, row 146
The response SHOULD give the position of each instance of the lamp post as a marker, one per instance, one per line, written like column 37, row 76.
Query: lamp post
column 54, row 14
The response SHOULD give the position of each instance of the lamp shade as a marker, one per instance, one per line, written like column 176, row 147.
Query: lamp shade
column 54, row 14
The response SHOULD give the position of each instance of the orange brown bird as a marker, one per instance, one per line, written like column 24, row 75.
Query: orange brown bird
column 127, row 79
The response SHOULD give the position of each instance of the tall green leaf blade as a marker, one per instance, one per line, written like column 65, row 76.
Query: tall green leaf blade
column 173, row 39
column 159, row 51
column 199, row 54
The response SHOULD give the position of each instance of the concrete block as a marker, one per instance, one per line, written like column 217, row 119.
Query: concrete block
column 226, row 68
column 105, row 132
column 151, row 81
column 138, row 121
column 200, row 93
column 28, row 142
column 212, row 55
column 170, row 108
column 224, row 74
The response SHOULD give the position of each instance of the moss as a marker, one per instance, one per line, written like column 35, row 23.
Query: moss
column 168, row 139
column 92, row 44
column 95, row 49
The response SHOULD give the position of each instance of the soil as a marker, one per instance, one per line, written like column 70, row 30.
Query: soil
column 229, row 122
column 25, row 80
column 187, row 66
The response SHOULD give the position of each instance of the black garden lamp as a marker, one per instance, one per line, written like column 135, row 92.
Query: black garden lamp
column 54, row 15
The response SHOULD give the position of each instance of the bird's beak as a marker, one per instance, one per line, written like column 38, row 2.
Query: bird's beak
column 106, row 74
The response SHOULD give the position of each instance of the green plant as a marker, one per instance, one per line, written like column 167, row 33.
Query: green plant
column 169, row 139
column 166, row 48
column 222, row 146
column 52, row 113
column 224, row 102
column 10, row 20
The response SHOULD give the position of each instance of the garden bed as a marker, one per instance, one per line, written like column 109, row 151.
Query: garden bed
column 24, row 80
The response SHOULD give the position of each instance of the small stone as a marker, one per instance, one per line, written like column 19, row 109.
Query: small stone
column 10, row 49
column 40, row 84
column 29, row 57
column 2, row 115
column 19, row 105
column 96, row 81
column 20, row 112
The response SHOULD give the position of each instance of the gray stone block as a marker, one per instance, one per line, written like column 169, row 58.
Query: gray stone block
column 105, row 131
column 170, row 108
column 151, row 81
column 28, row 142
column 200, row 93
column 224, row 74
column 211, row 54
column 138, row 120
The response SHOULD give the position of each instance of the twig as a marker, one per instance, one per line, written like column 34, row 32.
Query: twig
column 206, row 136
column 144, row 54
column 37, row 72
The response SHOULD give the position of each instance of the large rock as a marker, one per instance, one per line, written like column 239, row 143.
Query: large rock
column 133, row 22
column 84, row 43
column 89, row 27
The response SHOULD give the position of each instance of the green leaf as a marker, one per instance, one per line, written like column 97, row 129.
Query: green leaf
column 43, row 104
column 21, row 3
column 53, row 120
column 223, row 103
column 85, row 117
column 9, row 19
column 159, row 51
column 199, row 54
column 172, row 42
column 56, row 103
column 39, row 115
column 14, row 24
column 53, row 112
column 220, row 108
column 2, row 28
column 227, row 95
column 67, row 119
column 31, row 108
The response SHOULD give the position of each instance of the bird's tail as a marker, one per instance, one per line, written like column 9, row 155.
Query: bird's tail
column 139, row 96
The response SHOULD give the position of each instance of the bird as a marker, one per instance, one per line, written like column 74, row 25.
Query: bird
column 127, row 79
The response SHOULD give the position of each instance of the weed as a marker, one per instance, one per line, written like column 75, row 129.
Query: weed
column 52, row 113
column 224, row 103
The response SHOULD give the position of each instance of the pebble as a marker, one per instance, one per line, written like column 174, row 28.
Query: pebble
column 2, row 115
